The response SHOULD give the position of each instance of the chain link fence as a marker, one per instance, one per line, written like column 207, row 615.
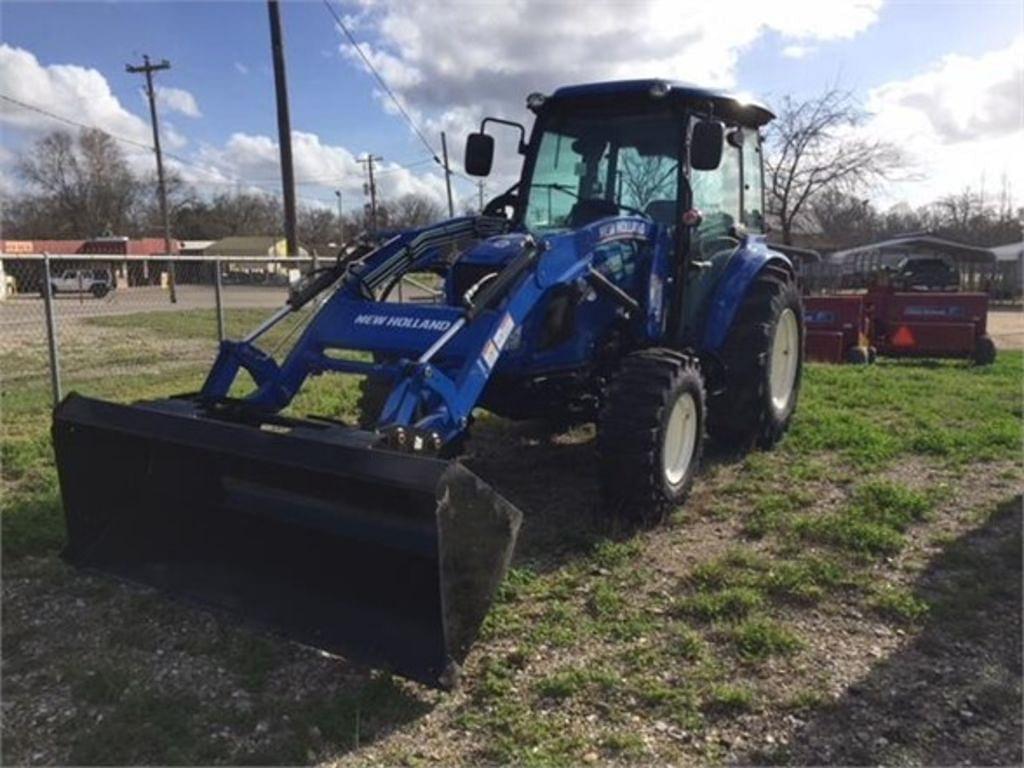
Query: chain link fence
column 120, row 327
column 86, row 323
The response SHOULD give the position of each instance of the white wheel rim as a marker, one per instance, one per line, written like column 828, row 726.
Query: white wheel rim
column 785, row 357
column 680, row 439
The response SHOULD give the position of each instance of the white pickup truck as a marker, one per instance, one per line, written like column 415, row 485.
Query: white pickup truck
column 98, row 282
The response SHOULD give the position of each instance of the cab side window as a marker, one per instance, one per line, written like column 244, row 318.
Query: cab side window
column 716, row 194
column 753, row 181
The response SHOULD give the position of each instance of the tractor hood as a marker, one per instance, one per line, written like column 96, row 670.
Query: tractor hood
column 495, row 251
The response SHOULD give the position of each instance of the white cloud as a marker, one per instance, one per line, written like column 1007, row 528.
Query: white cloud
column 177, row 100
column 80, row 93
column 448, row 59
column 962, row 120
column 451, row 64
column 241, row 69
column 797, row 51
column 318, row 166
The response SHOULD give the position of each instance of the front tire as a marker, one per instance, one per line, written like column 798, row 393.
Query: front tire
column 763, row 358
column 651, row 435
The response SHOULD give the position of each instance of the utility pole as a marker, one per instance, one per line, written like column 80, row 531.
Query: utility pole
column 284, row 128
column 341, row 220
column 371, row 188
column 447, row 175
column 148, row 69
column 480, row 195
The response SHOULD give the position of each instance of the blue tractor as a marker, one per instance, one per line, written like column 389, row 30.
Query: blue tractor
column 624, row 279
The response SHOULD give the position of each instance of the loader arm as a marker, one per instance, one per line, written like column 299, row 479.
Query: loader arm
column 440, row 356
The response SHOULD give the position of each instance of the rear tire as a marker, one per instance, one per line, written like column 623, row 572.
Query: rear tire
column 99, row 290
column 984, row 351
column 763, row 358
column 650, row 435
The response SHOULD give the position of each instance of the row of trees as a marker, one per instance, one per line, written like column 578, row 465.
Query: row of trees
column 820, row 173
column 83, row 186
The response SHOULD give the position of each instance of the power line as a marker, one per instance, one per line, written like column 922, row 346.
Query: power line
column 193, row 164
column 69, row 121
column 330, row 180
column 171, row 155
column 380, row 79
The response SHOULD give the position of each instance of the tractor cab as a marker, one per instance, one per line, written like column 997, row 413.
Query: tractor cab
column 686, row 161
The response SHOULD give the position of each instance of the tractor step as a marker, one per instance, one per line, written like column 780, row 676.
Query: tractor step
column 302, row 526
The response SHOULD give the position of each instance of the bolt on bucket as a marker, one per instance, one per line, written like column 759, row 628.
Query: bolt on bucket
column 387, row 558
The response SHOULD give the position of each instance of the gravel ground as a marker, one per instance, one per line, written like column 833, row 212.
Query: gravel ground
column 890, row 694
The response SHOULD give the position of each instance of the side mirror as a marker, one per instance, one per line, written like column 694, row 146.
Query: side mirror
column 479, row 154
column 706, row 145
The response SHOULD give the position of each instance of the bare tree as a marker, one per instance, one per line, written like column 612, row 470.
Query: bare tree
column 844, row 219
column 317, row 226
column 412, row 210
column 813, row 146
column 85, row 186
column 224, row 215
column 645, row 179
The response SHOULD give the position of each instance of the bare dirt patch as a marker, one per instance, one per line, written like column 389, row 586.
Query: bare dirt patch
column 1006, row 327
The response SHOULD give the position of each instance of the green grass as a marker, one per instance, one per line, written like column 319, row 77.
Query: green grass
column 758, row 639
column 199, row 323
column 569, row 682
column 687, row 644
column 729, row 700
column 871, row 523
column 727, row 603
column 872, row 414
column 144, row 729
column 899, row 604
column 628, row 642
column 757, row 579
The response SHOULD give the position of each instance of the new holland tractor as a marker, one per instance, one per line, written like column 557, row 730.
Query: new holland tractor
column 623, row 279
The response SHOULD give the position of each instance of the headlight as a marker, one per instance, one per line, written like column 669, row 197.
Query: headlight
column 659, row 90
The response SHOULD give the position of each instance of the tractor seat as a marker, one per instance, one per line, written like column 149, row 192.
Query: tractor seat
column 591, row 209
column 662, row 211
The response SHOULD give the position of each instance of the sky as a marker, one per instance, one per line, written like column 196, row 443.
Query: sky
column 944, row 80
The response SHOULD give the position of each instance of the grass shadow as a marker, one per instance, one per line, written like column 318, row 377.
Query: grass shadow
column 953, row 695
column 554, row 479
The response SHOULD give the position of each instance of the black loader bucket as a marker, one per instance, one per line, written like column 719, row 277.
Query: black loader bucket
column 387, row 558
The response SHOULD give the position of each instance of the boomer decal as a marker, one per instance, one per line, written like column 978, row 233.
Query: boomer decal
column 403, row 321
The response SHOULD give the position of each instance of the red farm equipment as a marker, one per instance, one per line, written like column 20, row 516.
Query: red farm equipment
column 929, row 324
column 837, row 329
column 852, row 327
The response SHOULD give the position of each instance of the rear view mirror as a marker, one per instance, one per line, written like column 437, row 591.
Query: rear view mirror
column 479, row 154
column 706, row 145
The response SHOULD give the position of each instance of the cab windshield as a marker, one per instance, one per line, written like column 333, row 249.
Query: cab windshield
column 589, row 167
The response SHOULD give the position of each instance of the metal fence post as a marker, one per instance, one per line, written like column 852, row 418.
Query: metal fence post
column 51, row 331
column 217, row 297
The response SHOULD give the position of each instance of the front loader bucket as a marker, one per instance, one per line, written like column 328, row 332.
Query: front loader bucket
column 388, row 558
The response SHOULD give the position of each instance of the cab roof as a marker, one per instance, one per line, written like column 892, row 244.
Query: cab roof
column 726, row 106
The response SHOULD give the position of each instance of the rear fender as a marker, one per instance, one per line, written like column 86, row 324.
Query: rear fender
column 746, row 264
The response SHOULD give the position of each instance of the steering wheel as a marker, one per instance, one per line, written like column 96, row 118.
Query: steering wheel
column 496, row 206
column 722, row 243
